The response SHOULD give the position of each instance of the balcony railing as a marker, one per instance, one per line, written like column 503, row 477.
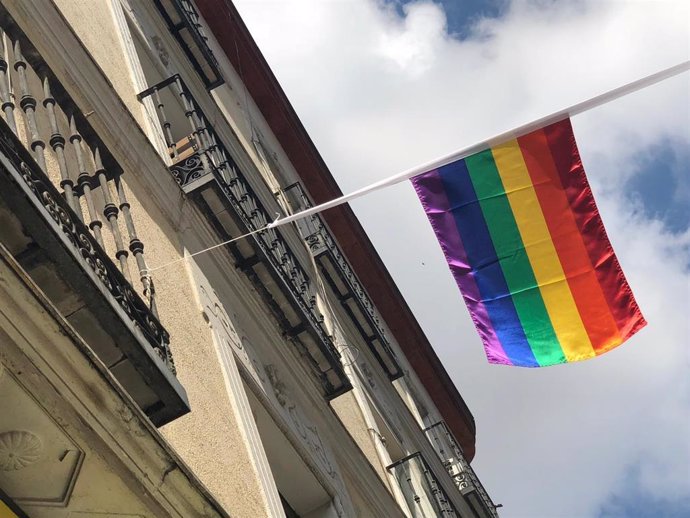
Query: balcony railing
column 70, row 234
column 453, row 459
column 343, row 281
column 424, row 496
column 203, row 167
column 184, row 23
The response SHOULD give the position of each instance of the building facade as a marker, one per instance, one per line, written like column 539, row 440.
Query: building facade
column 278, row 375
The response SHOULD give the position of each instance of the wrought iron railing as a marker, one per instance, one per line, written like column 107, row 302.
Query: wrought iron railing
column 453, row 459
column 197, row 153
column 184, row 22
column 93, row 201
column 424, row 496
column 353, row 296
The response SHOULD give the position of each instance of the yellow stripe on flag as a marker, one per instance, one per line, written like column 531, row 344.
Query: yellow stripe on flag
column 541, row 252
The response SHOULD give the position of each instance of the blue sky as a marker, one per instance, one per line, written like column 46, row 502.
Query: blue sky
column 383, row 86
column 461, row 15
column 660, row 183
column 634, row 501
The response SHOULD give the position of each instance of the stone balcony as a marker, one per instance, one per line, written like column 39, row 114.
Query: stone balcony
column 466, row 480
column 184, row 23
column 236, row 204
column 423, row 494
column 65, row 218
column 343, row 281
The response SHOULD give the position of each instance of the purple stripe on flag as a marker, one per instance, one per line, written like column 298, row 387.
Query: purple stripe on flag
column 429, row 187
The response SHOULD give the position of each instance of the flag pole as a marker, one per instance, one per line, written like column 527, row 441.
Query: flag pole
column 575, row 109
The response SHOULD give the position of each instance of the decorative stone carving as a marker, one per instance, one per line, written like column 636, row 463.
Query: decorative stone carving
column 316, row 445
column 19, row 449
column 338, row 504
column 307, row 432
column 39, row 462
column 215, row 314
column 161, row 50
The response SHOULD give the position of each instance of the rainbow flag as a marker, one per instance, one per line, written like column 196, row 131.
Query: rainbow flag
column 526, row 245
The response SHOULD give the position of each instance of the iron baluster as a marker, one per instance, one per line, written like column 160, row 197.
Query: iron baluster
column 27, row 103
column 84, row 182
column 136, row 246
column 57, row 142
column 198, row 132
column 110, row 211
column 167, row 133
column 5, row 93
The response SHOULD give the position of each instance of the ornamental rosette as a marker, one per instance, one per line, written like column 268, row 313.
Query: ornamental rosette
column 19, row 449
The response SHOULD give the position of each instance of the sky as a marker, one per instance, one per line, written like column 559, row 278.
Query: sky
column 382, row 86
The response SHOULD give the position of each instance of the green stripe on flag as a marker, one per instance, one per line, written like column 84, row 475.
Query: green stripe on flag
column 513, row 259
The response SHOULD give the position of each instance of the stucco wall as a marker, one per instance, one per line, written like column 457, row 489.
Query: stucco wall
column 94, row 23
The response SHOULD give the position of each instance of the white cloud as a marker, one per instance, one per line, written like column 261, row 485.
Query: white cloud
column 414, row 41
column 380, row 93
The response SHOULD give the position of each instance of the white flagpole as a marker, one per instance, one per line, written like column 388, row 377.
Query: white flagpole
column 575, row 109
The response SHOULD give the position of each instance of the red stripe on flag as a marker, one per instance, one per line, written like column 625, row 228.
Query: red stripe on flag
column 568, row 242
column 615, row 288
